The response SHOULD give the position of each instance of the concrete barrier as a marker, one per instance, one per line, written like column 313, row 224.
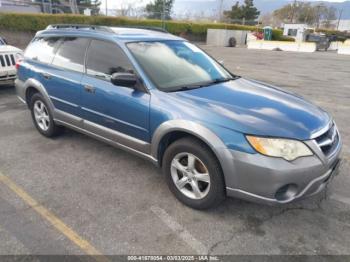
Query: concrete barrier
column 335, row 45
column 344, row 49
column 283, row 45
column 220, row 37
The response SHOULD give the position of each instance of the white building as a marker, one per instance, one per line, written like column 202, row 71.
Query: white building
column 296, row 31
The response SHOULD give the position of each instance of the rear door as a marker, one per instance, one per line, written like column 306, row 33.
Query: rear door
column 38, row 57
column 65, row 74
column 117, row 108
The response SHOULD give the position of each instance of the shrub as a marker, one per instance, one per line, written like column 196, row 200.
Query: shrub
column 36, row 22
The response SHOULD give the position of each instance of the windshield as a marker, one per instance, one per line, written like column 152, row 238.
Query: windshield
column 177, row 65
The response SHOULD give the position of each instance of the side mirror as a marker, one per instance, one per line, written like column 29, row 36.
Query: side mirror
column 221, row 62
column 124, row 79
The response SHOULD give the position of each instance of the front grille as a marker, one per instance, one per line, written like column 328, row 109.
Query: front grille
column 7, row 77
column 328, row 141
column 7, row 60
column 2, row 60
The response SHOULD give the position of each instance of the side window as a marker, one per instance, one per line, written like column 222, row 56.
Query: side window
column 105, row 58
column 292, row 32
column 42, row 49
column 70, row 54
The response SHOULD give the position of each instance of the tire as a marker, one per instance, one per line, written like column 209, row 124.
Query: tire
column 42, row 117
column 232, row 42
column 182, row 183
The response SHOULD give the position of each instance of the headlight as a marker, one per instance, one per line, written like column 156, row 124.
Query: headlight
column 276, row 147
column 18, row 56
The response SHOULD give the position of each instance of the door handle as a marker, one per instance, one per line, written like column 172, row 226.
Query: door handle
column 46, row 76
column 89, row 89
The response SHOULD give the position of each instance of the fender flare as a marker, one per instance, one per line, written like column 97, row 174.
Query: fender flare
column 31, row 82
column 218, row 147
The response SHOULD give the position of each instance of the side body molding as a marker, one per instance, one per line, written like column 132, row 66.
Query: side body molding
column 211, row 139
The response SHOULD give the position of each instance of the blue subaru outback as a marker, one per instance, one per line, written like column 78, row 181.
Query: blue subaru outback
column 214, row 134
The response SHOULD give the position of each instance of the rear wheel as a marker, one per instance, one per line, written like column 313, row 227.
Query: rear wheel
column 42, row 117
column 193, row 174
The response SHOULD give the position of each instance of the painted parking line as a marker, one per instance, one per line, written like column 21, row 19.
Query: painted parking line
column 53, row 220
column 186, row 236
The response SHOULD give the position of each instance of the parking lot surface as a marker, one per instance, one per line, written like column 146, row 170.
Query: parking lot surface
column 119, row 203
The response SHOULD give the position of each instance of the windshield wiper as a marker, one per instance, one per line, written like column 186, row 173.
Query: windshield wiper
column 222, row 80
column 186, row 88
column 195, row 86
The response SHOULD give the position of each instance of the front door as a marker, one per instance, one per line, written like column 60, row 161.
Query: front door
column 118, row 112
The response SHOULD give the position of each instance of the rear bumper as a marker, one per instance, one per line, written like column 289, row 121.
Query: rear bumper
column 268, row 180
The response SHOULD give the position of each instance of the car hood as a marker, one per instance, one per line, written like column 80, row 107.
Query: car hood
column 9, row 48
column 255, row 108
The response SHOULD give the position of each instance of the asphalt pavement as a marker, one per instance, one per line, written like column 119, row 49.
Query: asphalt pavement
column 75, row 195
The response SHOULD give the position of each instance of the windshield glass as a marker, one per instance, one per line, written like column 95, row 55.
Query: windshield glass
column 177, row 65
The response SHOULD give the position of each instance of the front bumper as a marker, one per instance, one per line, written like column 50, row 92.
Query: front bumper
column 7, row 80
column 7, row 76
column 269, row 180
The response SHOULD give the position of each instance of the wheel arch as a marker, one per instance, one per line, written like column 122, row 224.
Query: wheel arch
column 30, row 91
column 181, row 128
column 32, row 86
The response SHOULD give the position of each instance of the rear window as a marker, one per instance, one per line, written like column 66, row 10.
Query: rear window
column 42, row 49
column 70, row 54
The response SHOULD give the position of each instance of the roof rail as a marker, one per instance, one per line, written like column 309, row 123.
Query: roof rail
column 102, row 28
column 80, row 26
column 153, row 28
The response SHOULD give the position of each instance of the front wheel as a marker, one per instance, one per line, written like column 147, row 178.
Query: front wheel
column 193, row 174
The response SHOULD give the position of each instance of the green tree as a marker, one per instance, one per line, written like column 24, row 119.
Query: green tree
column 247, row 11
column 159, row 9
column 235, row 12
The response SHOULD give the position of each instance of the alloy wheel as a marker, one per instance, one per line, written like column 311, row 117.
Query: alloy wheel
column 41, row 115
column 190, row 176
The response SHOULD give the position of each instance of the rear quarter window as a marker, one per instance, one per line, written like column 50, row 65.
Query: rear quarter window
column 42, row 49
